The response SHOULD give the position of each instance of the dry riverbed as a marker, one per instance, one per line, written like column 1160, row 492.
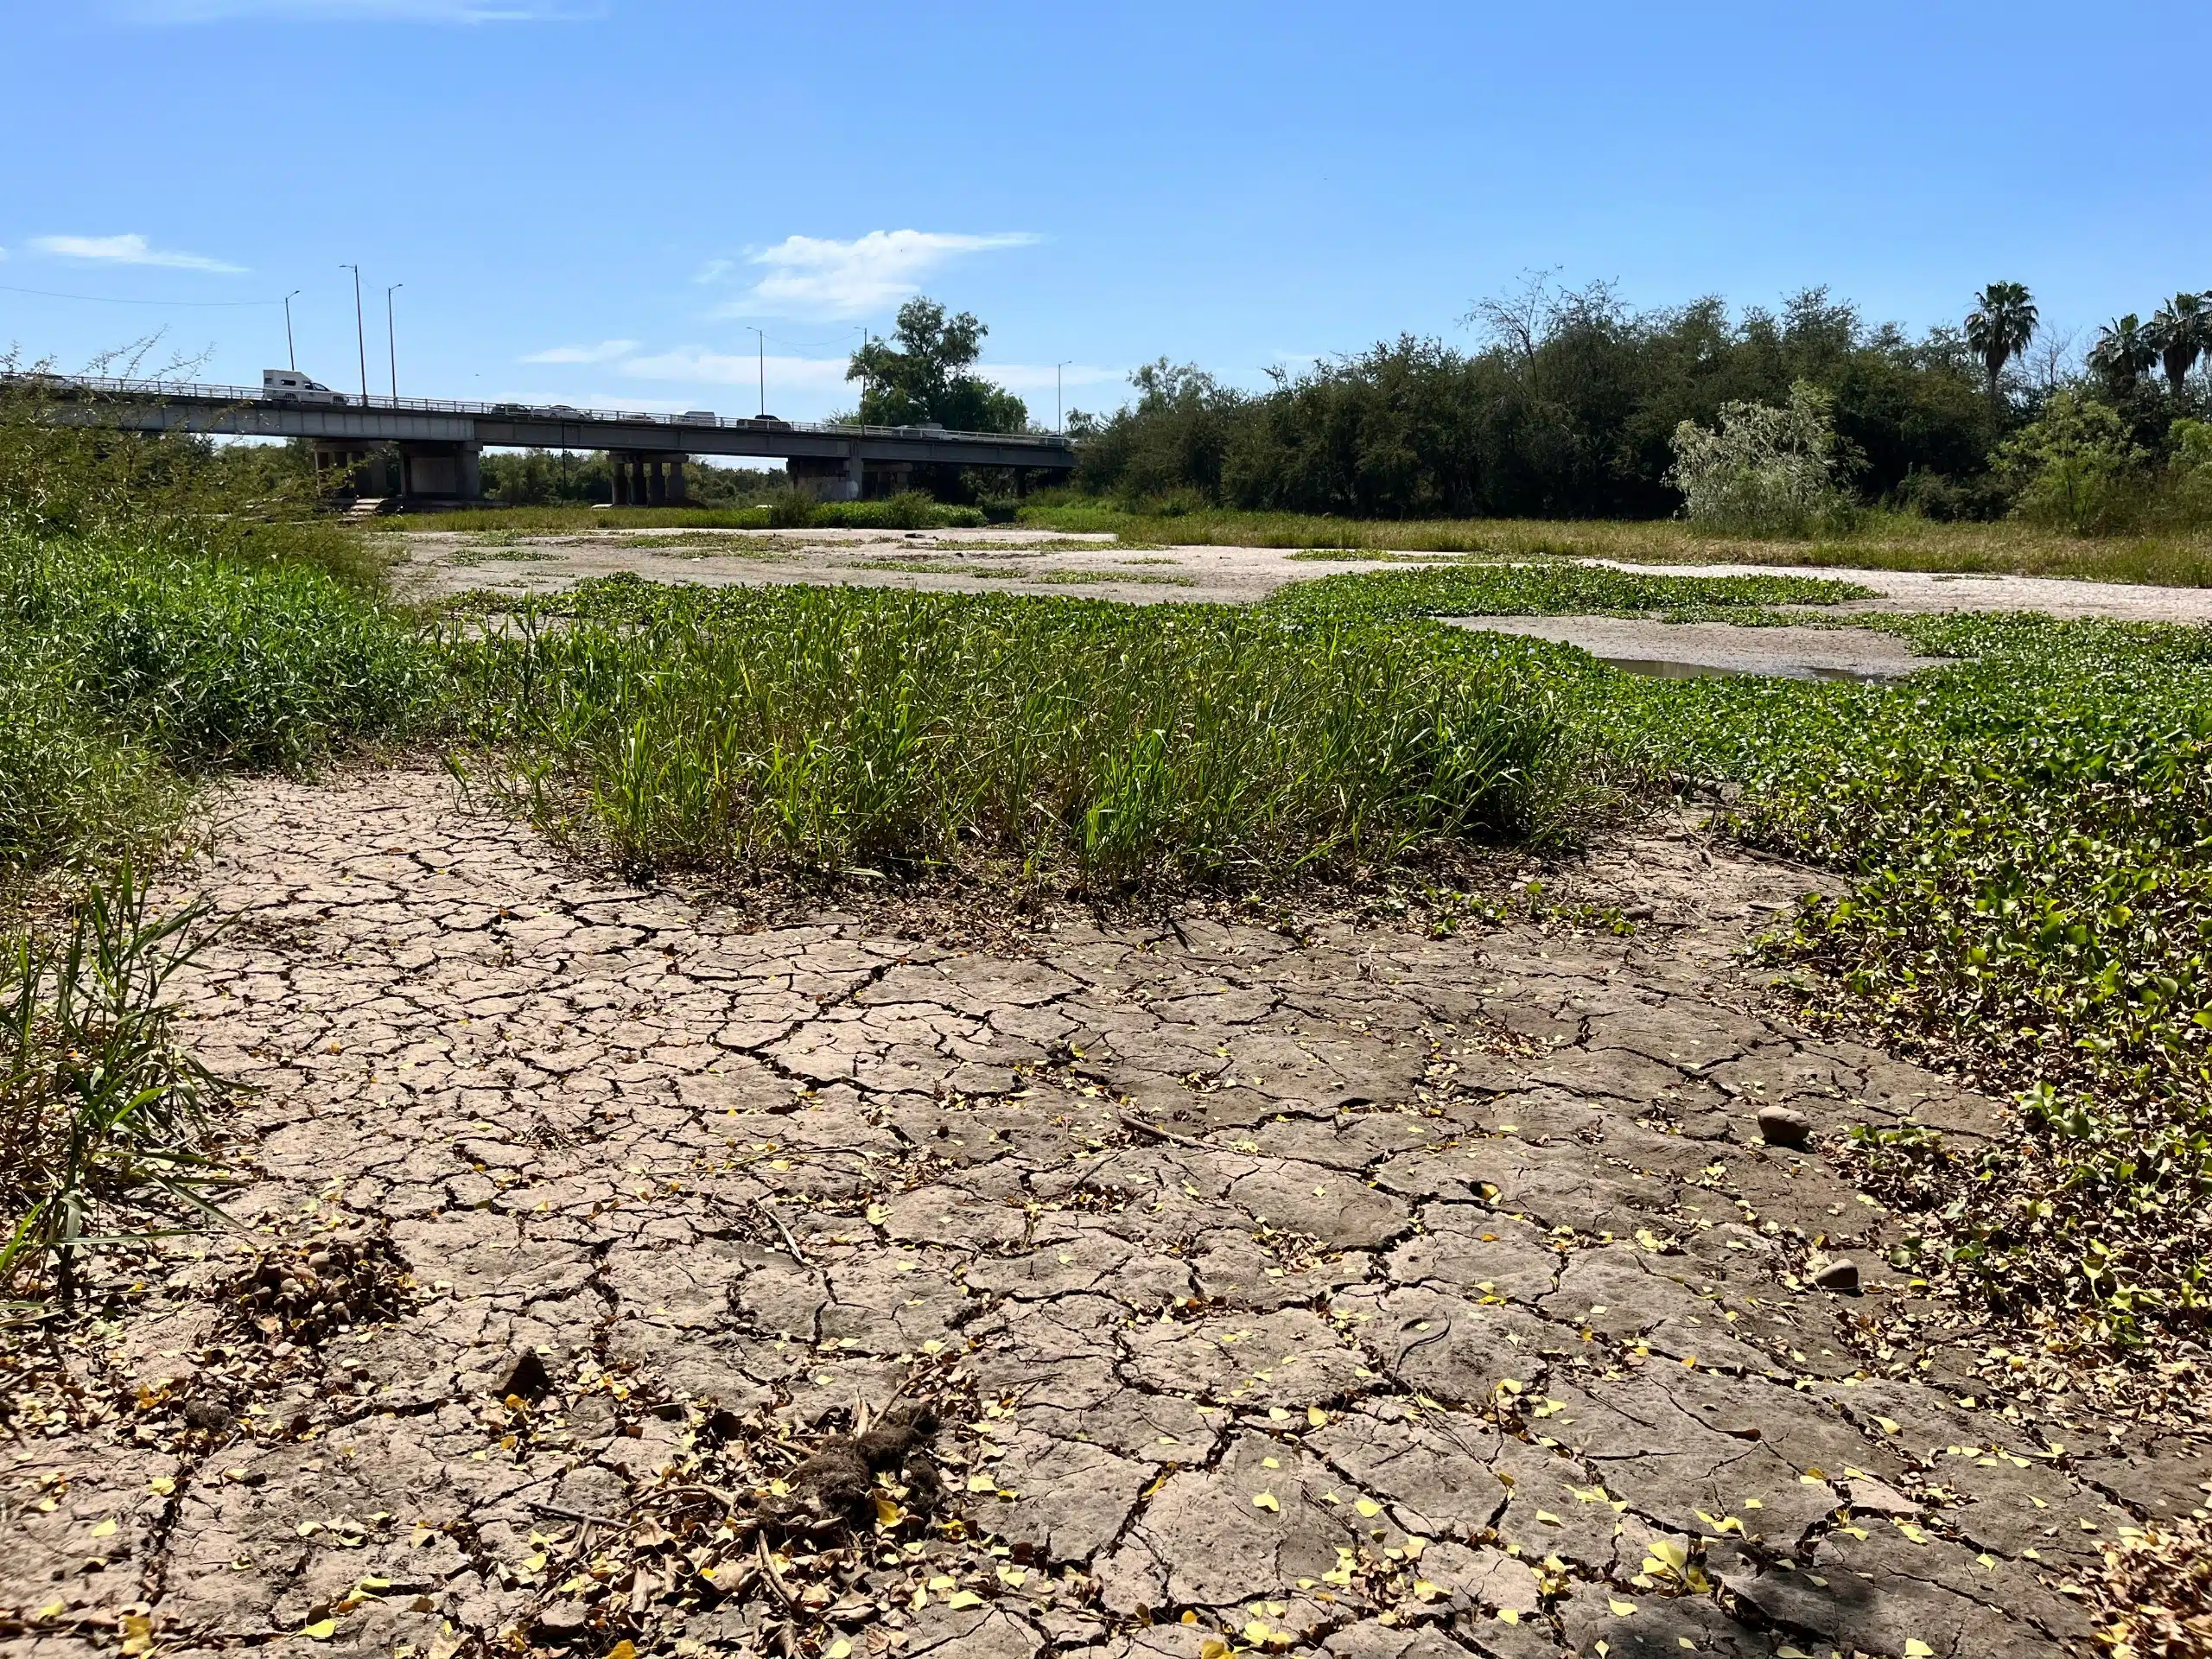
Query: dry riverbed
column 617, row 1277
column 438, row 563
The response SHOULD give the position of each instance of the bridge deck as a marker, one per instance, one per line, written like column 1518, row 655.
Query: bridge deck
column 153, row 406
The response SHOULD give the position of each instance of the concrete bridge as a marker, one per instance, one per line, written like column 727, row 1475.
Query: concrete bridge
column 439, row 443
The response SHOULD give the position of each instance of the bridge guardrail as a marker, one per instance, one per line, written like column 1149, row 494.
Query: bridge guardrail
column 109, row 386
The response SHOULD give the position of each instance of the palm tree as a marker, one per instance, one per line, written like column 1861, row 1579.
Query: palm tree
column 2180, row 332
column 1999, row 326
column 2123, row 351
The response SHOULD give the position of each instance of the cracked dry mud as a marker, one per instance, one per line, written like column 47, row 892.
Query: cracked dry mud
column 1369, row 1294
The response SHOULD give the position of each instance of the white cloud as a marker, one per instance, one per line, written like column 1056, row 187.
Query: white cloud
column 126, row 251
column 606, row 352
column 811, row 276
column 406, row 11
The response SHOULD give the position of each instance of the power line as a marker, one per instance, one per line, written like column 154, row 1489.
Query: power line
column 101, row 299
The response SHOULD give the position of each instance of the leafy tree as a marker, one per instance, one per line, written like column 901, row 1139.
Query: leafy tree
column 2123, row 351
column 1999, row 326
column 1175, row 440
column 1568, row 410
column 2180, row 332
column 2075, row 467
column 921, row 374
column 1763, row 469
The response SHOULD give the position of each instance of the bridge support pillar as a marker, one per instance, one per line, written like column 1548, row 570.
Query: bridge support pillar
column 827, row 478
column 641, row 480
column 441, row 472
column 348, row 467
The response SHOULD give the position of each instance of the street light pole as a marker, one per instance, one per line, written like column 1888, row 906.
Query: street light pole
column 361, row 333
column 391, row 340
column 290, row 356
column 760, row 343
column 1059, row 419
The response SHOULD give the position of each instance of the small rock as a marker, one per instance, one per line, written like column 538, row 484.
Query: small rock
column 1872, row 1496
column 1840, row 1276
column 1783, row 1126
column 565, row 1617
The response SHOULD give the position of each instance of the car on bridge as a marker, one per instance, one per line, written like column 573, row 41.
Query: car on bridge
column 291, row 386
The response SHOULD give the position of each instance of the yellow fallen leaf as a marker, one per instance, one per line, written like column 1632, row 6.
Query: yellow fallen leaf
column 1213, row 1648
column 321, row 1630
column 1548, row 1518
column 840, row 1648
column 1266, row 1501
column 1621, row 1609
column 1316, row 1418
column 961, row 1600
column 1916, row 1648
column 625, row 1649
column 106, row 1529
column 161, row 1486
column 887, row 1513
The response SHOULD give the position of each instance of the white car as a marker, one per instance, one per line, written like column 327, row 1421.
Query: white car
column 291, row 386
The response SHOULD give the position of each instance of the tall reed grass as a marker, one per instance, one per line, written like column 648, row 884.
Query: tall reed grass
column 101, row 1114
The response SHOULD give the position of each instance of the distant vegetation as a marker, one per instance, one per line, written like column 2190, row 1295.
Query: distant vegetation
column 1579, row 407
column 784, row 508
column 544, row 477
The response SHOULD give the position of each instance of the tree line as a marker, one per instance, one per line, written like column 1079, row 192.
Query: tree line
column 1572, row 403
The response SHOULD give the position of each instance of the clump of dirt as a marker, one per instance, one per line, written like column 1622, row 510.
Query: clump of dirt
column 311, row 1290
column 837, row 1482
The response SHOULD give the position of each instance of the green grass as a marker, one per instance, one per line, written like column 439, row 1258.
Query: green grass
column 1042, row 575
column 1881, row 542
column 829, row 728
column 1542, row 589
column 101, row 1115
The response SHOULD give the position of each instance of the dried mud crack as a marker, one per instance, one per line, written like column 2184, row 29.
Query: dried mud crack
column 612, row 1274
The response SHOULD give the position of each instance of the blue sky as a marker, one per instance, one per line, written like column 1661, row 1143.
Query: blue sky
column 598, row 202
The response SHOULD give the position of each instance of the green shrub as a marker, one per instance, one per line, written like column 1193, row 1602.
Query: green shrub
column 1764, row 471
column 2075, row 468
